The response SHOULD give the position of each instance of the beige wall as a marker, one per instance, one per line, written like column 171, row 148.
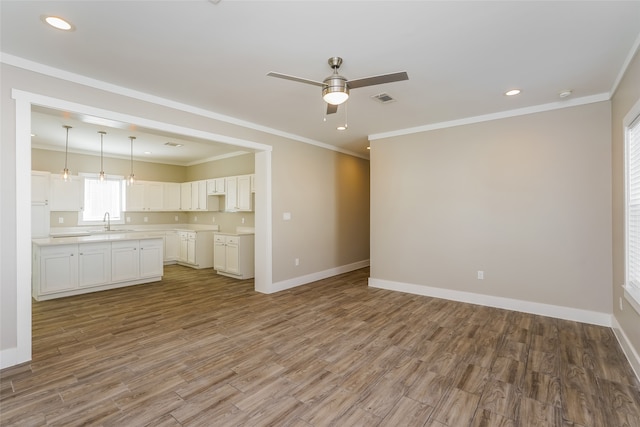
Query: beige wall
column 329, row 229
column 525, row 199
column 53, row 161
column 627, row 94
column 237, row 165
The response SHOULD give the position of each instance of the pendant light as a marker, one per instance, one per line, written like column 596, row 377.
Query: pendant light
column 102, row 134
column 131, row 177
column 65, row 172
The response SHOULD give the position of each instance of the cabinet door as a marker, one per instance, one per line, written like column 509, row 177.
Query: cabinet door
column 58, row 268
column 151, row 253
column 94, row 267
column 135, row 196
column 215, row 187
column 171, row 196
column 184, row 247
column 191, row 248
column 66, row 196
column 231, row 195
column 185, row 196
column 171, row 246
column 153, row 196
column 244, row 193
column 233, row 258
column 202, row 195
column 125, row 262
column 40, row 187
column 219, row 253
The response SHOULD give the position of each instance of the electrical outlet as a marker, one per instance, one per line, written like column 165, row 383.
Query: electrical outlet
column 128, row 219
column 621, row 306
column 242, row 220
column 146, row 219
column 175, row 218
column 195, row 219
column 296, row 261
column 480, row 275
column 60, row 220
column 213, row 219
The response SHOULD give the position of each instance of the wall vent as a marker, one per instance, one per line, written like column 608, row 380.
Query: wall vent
column 173, row 144
column 383, row 98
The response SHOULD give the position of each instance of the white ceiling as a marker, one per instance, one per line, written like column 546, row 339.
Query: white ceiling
column 460, row 56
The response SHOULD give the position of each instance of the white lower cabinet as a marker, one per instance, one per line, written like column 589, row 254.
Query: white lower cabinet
column 233, row 255
column 94, row 264
column 125, row 261
column 171, row 246
column 70, row 269
column 196, row 248
column 56, row 269
column 151, row 258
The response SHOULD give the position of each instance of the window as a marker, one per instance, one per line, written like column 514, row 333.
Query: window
column 632, row 231
column 101, row 197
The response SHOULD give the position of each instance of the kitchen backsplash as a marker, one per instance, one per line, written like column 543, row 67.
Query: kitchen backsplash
column 227, row 221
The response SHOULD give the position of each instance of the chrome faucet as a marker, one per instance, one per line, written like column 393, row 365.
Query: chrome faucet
column 107, row 219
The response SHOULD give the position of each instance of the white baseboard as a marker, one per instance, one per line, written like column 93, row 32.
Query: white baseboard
column 559, row 312
column 627, row 347
column 303, row 280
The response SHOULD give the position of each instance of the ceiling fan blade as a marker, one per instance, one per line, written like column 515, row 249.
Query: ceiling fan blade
column 378, row 80
column 331, row 109
column 295, row 79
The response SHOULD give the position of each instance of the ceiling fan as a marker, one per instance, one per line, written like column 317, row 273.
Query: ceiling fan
column 335, row 88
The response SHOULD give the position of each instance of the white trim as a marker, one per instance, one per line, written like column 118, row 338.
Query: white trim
column 632, row 295
column 313, row 277
column 23, row 230
column 23, row 101
column 494, row 116
column 98, row 84
column 623, row 70
column 559, row 312
column 627, row 348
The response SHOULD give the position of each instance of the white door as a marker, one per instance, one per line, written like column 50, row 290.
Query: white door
column 233, row 258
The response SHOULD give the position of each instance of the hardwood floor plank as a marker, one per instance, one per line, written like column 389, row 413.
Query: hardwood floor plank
column 198, row 349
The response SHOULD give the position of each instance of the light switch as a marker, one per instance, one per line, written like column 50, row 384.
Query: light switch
column 286, row 216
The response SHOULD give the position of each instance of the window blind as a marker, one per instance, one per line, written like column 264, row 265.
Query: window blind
column 633, row 203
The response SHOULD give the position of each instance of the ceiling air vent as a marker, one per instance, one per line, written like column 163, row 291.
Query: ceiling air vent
column 172, row 144
column 383, row 98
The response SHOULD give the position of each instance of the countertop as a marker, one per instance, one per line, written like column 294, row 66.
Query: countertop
column 98, row 238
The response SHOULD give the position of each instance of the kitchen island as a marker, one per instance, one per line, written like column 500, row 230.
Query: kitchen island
column 65, row 266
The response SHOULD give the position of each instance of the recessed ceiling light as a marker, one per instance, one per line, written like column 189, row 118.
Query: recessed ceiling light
column 369, row 148
column 58, row 23
column 512, row 92
column 147, row 152
column 342, row 127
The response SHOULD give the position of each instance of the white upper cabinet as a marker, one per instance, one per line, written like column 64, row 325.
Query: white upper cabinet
column 66, row 195
column 238, row 194
column 215, row 187
column 185, row 196
column 145, row 196
column 171, row 196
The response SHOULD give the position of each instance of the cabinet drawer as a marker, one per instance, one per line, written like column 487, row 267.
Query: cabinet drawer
column 233, row 240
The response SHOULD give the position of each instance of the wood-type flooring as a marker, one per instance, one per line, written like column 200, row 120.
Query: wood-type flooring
column 199, row 349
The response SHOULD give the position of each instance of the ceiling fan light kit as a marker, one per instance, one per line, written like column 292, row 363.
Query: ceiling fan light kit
column 335, row 88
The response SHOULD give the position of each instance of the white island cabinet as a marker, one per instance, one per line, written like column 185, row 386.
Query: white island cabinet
column 76, row 265
column 196, row 248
